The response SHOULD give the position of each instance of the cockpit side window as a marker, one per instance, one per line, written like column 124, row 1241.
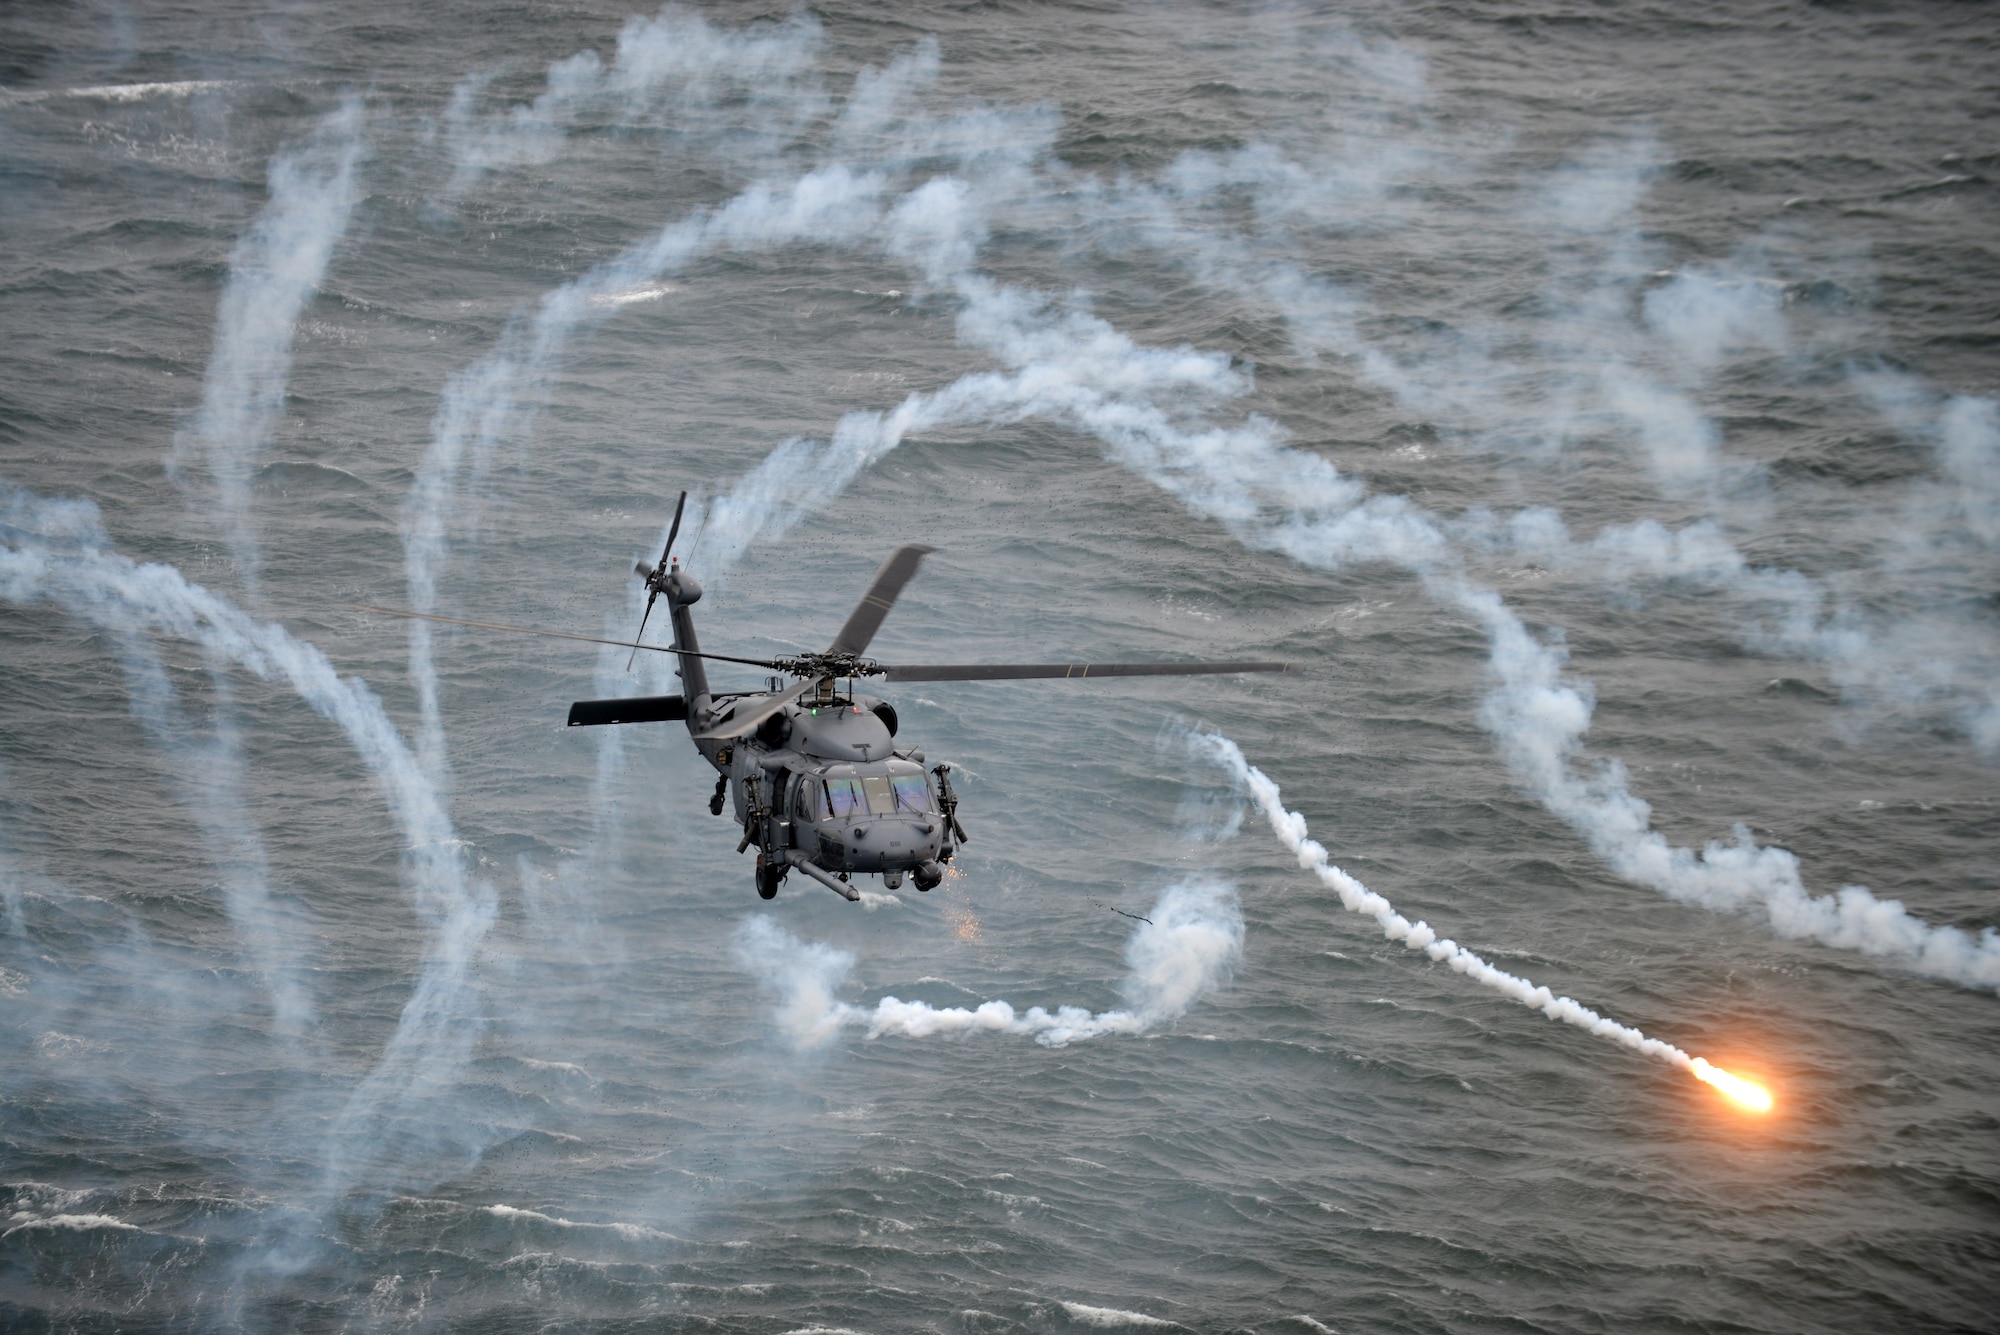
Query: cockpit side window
column 844, row 798
column 912, row 792
column 809, row 804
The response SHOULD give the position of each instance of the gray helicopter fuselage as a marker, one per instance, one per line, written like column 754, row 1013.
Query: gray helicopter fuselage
column 820, row 786
column 827, row 782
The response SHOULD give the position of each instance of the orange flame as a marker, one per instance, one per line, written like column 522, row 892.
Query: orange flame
column 1747, row 1094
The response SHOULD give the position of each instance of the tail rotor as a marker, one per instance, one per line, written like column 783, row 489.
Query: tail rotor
column 656, row 577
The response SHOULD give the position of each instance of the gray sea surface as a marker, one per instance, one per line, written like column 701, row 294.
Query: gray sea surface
column 1596, row 404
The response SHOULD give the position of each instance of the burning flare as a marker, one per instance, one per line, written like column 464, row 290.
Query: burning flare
column 1747, row 1094
column 1290, row 827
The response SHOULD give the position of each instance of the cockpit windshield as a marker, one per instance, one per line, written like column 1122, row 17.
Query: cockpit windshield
column 912, row 793
column 867, row 795
column 876, row 788
column 843, row 797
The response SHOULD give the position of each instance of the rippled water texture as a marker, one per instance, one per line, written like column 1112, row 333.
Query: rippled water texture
column 1597, row 404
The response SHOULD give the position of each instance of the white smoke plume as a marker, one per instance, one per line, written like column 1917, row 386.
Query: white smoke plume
column 1917, row 652
column 1593, row 365
column 495, row 400
column 492, row 401
column 1189, row 947
column 1144, row 404
column 1539, row 720
column 274, row 271
column 664, row 72
column 1290, row 827
column 1622, row 351
column 1968, row 437
column 55, row 551
column 209, row 773
column 1152, row 408
column 1942, row 544
column 1147, row 406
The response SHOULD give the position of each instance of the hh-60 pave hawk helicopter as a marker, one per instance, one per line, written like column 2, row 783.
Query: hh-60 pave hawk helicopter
column 817, row 780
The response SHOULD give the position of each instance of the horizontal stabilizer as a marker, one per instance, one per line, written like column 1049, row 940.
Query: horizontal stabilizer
column 628, row 709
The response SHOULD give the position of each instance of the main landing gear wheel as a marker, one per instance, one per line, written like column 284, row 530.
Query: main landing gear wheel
column 767, row 880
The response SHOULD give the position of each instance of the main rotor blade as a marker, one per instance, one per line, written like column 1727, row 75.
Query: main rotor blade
column 867, row 616
column 743, row 723
column 1022, row 671
column 628, row 709
column 562, row 635
column 673, row 530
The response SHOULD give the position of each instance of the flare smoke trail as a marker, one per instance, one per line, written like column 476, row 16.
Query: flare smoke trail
column 1144, row 405
column 676, row 58
column 1193, row 941
column 274, row 271
column 209, row 773
column 834, row 204
column 1072, row 367
column 1634, row 372
column 1951, row 525
column 55, row 551
column 1290, row 827
column 1599, row 365
column 482, row 405
column 495, row 399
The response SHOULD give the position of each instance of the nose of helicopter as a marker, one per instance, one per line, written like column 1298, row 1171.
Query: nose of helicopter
column 895, row 838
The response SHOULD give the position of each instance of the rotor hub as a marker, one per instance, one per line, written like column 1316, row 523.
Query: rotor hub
column 815, row 666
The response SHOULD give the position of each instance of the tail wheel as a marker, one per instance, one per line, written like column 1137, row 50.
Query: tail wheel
column 767, row 880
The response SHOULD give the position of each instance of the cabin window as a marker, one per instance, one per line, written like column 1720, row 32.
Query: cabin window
column 881, row 801
column 912, row 793
column 843, row 797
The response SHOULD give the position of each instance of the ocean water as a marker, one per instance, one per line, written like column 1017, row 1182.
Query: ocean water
column 1596, row 404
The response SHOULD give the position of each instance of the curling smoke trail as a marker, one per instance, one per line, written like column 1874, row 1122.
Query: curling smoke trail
column 1622, row 347
column 1602, row 366
column 55, row 551
column 273, row 272
column 1290, row 827
column 1146, row 406
column 210, row 775
column 676, row 59
column 496, row 399
column 483, row 404
column 1194, row 939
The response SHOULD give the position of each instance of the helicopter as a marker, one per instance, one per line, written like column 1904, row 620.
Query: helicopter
column 813, row 772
